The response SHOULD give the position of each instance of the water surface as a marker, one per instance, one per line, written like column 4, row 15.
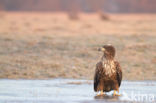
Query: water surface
column 72, row 91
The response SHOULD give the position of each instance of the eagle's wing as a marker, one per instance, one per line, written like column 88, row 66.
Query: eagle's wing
column 97, row 75
column 119, row 72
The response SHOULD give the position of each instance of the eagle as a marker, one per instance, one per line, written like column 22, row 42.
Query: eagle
column 108, row 72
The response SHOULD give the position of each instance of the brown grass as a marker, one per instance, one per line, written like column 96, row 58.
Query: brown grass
column 44, row 45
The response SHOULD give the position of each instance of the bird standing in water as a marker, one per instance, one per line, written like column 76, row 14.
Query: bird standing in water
column 108, row 72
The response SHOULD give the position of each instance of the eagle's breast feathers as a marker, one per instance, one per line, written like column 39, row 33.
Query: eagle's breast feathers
column 109, row 68
column 106, row 68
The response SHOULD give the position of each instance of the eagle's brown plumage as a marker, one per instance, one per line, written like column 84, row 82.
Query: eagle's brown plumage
column 108, row 73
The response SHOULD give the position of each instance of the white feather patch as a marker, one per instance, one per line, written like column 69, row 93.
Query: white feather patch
column 109, row 67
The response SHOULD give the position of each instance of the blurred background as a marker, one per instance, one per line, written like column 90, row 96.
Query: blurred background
column 42, row 39
column 111, row 6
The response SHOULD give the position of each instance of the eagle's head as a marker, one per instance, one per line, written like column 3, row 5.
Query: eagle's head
column 108, row 50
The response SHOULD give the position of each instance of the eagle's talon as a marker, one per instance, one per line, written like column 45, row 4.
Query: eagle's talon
column 98, row 95
column 101, row 94
column 115, row 94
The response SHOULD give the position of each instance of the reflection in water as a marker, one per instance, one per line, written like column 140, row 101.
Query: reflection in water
column 106, row 97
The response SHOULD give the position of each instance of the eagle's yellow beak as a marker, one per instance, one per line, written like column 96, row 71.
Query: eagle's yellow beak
column 101, row 49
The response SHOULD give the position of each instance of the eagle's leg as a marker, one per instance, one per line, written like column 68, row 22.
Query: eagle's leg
column 101, row 93
column 115, row 94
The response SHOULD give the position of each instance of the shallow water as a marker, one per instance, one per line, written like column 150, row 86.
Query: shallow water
column 72, row 91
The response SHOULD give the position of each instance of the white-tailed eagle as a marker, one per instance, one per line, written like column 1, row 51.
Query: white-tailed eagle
column 108, row 73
